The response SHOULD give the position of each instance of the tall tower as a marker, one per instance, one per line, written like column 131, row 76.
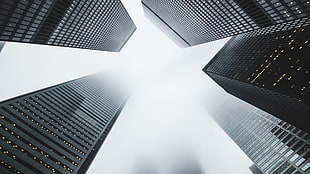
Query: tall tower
column 97, row 24
column 255, row 170
column 1, row 45
column 58, row 129
column 195, row 22
column 269, row 70
column 273, row 145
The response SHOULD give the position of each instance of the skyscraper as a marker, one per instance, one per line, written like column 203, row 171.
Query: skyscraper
column 1, row 45
column 58, row 129
column 273, row 145
column 195, row 22
column 254, row 169
column 270, row 71
column 97, row 25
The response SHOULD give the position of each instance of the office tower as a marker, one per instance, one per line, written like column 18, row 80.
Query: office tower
column 191, row 23
column 58, row 129
column 97, row 25
column 275, row 146
column 255, row 170
column 1, row 45
column 270, row 71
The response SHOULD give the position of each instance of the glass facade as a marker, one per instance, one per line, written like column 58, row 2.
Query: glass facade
column 269, row 68
column 98, row 25
column 200, row 21
column 58, row 129
column 273, row 145
column 255, row 170
column 1, row 45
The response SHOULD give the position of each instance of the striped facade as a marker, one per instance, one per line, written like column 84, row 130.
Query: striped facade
column 58, row 129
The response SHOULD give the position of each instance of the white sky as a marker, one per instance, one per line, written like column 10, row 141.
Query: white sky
column 165, row 121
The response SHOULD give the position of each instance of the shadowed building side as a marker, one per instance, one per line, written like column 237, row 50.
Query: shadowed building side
column 195, row 22
column 97, row 25
column 1, row 45
column 270, row 71
column 168, row 30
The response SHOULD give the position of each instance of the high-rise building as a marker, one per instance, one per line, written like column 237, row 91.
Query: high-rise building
column 270, row 71
column 96, row 25
column 58, row 129
column 1, row 45
column 275, row 146
column 255, row 170
column 195, row 22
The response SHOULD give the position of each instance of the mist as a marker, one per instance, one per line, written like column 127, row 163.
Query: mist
column 165, row 127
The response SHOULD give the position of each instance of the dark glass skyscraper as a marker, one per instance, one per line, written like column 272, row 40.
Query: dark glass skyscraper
column 58, row 129
column 196, row 22
column 98, row 24
column 275, row 146
column 270, row 69
column 1, row 45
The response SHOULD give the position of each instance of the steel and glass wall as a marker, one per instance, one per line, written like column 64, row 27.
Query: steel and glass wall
column 57, row 129
column 1, row 45
column 255, row 170
column 197, row 22
column 275, row 146
column 269, row 68
column 98, row 25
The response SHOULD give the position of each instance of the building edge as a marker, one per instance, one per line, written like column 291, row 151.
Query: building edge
column 165, row 27
column 299, row 123
column 85, row 166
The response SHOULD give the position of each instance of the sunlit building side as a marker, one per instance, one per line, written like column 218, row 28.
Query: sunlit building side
column 270, row 71
column 273, row 145
column 58, row 129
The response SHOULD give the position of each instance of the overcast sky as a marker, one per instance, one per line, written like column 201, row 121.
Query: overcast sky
column 165, row 123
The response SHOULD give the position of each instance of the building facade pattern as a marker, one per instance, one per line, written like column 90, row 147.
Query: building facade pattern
column 275, row 146
column 98, row 25
column 201, row 21
column 57, row 129
column 269, row 68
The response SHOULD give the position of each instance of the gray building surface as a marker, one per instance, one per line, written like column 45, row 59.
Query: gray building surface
column 97, row 25
column 275, row 146
column 255, row 170
column 191, row 23
column 58, row 129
